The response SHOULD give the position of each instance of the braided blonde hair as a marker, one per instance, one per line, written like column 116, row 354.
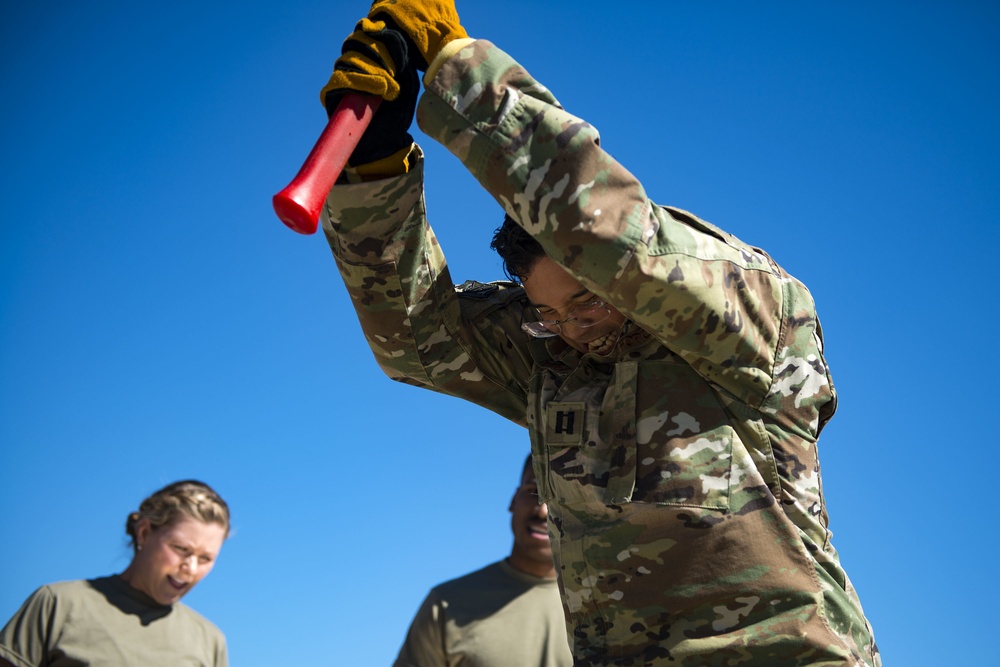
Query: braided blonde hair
column 189, row 497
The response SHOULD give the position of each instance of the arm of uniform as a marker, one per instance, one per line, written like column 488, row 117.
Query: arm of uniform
column 422, row 330
column 724, row 307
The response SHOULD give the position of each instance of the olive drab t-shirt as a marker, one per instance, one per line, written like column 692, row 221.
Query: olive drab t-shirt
column 492, row 617
column 106, row 622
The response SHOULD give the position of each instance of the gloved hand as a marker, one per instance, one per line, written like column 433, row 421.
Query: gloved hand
column 395, row 33
column 376, row 59
column 382, row 57
column 429, row 24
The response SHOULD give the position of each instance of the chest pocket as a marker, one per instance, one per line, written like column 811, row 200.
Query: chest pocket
column 643, row 432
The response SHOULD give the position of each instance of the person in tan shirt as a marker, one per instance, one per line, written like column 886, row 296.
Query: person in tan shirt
column 507, row 613
column 136, row 617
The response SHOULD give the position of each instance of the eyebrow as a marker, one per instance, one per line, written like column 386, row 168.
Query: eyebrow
column 571, row 298
column 189, row 546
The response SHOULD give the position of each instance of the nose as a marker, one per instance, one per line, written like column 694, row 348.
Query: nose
column 190, row 564
column 571, row 331
column 542, row 511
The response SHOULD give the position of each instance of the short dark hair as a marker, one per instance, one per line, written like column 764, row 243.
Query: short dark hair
column 526, row 468
column 517, row 248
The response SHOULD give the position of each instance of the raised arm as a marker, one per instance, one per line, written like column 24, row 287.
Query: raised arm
column 721, row 305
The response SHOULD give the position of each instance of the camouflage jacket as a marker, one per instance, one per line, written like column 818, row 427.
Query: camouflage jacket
column 681, row 470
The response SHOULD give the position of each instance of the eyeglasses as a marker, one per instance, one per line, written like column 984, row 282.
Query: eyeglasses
column 582, row 315
column 529, row 492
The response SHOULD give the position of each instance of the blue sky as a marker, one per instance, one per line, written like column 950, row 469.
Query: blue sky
column 158, row 322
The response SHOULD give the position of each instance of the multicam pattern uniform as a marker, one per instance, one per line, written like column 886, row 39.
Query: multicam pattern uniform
column 681, row 470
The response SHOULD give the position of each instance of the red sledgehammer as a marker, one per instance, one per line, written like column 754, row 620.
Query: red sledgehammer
column 301, row 202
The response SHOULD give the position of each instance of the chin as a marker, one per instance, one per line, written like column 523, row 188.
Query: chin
column 171, row 598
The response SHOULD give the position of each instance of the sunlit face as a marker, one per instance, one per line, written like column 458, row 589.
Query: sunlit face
column 532, row 552
column 554, row 293
column 173, row 558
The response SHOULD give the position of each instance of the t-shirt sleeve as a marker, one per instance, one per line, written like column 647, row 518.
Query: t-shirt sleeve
column 24, row 640
column 221, row 653
column 425, row 645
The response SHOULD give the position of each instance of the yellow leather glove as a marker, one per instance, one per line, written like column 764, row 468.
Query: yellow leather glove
column 375, row 60
column 381, row 57
column 371, row 62
column 430, row 24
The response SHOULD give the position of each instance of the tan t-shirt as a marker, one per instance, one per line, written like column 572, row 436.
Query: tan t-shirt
column 107, row 622
column 496, row 616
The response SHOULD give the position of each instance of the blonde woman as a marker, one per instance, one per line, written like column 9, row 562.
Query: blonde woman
column 136, row 617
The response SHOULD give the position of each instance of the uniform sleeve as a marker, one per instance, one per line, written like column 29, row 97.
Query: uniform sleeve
column 24, row 640
column 421, row 329
column 425, row 640
column 711, row 299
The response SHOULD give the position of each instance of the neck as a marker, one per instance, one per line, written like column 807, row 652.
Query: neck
column 535, row 568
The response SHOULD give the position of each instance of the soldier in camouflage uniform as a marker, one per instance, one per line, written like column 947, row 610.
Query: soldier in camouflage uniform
column 673, row 416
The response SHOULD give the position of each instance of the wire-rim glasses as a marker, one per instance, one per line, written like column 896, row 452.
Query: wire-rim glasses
column 582, row 315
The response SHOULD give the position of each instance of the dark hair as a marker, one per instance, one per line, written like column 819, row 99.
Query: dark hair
column 517, row 248
column 526, row 467
column 188, row 497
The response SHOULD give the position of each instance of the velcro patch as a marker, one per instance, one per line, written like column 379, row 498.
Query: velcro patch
column 475, row 289
column 564, row 423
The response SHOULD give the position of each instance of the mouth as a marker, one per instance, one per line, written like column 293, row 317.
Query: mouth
column 538, row 531
column 604, row 344
column 176, row 584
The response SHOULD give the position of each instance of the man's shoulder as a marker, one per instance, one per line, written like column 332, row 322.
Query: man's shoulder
column 473, row 289
column 484, row 577
column 489, row 572
column 488, row 304
column 496, row 292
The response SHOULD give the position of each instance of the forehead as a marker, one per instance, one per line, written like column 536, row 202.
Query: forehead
column 528, row 475
column 550, row 285
column 193, row 532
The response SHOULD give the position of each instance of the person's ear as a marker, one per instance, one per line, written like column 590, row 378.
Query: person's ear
column 142, row 531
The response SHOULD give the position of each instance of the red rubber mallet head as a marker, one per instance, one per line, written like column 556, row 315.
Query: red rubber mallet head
column 301, row 202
